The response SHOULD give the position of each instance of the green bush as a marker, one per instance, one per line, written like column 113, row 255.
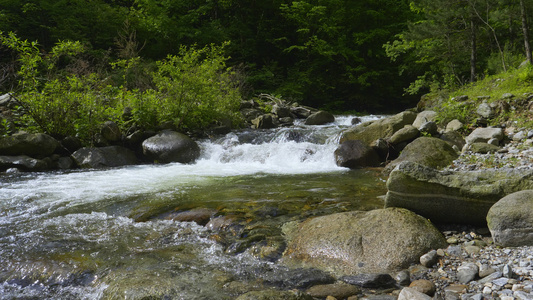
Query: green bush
column 191, row 91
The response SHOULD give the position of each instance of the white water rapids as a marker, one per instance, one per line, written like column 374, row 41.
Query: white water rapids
column 74, row 235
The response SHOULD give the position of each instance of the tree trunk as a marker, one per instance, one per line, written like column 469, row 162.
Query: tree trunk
column 525, row 31
column 473, row 49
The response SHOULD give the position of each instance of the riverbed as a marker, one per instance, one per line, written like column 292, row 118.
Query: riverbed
column 111, row 234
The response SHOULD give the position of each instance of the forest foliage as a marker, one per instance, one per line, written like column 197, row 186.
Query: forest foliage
column 186, row 61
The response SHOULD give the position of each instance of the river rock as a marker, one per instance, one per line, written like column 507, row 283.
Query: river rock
column 104, row 157
column 467, row 272
column 429, row 151
column 264, row 122
column 454, row 125
column 484, row 110
column 483, row 135
column 320, row 118
column 380, row 280
column 452, row 197
column 274, row 295
column 510, row 220
column 429, row 128
column 423, row 117
column 356, row 154
column 454, row 138
column 424, row 286
column 406, row 134
column 200, row 216
column 337, row 290
column 251, row 113
column 37, row 145
column 170, row 146
column 22, row 162
column 482, row 148
column 358, row 242
column 281, row 111
column 370, row 131
column 412, row 294
column 429, row 259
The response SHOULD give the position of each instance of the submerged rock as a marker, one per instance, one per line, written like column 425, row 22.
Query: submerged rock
column 452, row 197
column 510, row 220
column 357, row 242
column 274, row 295
column 170, row 146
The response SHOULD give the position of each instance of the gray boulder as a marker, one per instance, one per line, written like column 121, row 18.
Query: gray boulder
column 406, row 134
column 453, row 138
column 485, row 110
column 320, row 118
column 23, row 162
column 482, row 148
column 454, row 125
column 430, row 128
column 36, row 145
column 423, row 117
column 356, row 154
column 412, row 294
column 370, row 131
column 264, row 122
column 281, row 111
column 510, row 220
column 429, row 151
column 355, row 242
column 171, row 146
column 104, row 157
column 452, row 197
column 483, row 135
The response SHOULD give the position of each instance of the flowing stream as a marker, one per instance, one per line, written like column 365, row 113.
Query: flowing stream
column 112, row 234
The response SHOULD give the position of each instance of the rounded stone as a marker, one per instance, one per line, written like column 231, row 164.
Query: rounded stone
column 171, row 146
column 382, row 240
column 510, row 220
column 424, row 286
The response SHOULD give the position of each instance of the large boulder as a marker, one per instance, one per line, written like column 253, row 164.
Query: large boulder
column 320, row 118
column 171, row 146
column 36, row 145
column 483, row 135
column 23, row 162
column 356, row 154
column 370, row 131
column 452, row 197
column 429, row 151
column 510, row 220
column 355, row 242
column 104, row 157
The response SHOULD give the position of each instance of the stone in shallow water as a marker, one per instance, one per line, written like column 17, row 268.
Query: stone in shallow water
column 356, row 242
column 370, row 280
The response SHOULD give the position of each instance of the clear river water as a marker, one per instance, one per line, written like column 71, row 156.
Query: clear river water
column 112, row 234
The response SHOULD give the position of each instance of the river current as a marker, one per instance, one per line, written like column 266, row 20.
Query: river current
column 109, row 234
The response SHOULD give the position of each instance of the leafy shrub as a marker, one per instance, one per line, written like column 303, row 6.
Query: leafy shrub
column 192, row 90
